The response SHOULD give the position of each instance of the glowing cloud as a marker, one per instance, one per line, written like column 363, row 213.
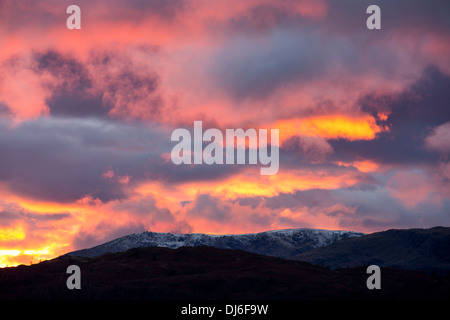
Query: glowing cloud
column 330, row 127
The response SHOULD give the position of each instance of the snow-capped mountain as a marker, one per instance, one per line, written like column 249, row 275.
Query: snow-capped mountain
column 277, row 243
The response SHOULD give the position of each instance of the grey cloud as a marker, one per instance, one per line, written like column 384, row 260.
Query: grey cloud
column 210, row 207
column 65, row 160
column 350, row 15
column 106, row 84
column 262, row 18
column 47, row 216
column 45, row 14
column 252, row 202
column 254, row 68
column 145, row 207
column 294, row 50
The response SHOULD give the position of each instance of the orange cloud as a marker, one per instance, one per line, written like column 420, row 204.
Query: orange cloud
column 362, row 165
column 330, row 127
column 14, row 233
column 250, row 183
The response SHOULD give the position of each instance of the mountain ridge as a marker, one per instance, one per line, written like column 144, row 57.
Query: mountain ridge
column 283, row 243
column 410, row 249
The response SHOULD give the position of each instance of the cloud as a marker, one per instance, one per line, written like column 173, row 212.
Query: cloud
column 412, row 113
column 65, row 160
column 102, row 233
column 305, row 198
column 252, row 67
column 411, row 188
column 210, row 207
column 17, row 76
column 439, row 139
column 108, row 83
column 144, row 207
column 128, row 82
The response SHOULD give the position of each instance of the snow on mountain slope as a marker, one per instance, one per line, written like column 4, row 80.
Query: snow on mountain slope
column 279, row 243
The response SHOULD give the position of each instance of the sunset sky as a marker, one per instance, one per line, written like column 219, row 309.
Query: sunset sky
column 86, row 118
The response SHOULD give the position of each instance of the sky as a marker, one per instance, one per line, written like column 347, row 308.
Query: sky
column 86, row 118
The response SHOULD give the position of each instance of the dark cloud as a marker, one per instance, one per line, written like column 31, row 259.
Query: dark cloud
column 31, row 14
column 74, row 104
column 167, row 9
column 306, row 198
column 261, row 18
column 255, row 68
column 71, row 72
column 424, row 103
column 295, row 50
column 253, row 202
column 311, row 149
column 349, row 16
column 413, row 114
column 145, row 207
column 106, row 84
column 5, row 112
column 47, row 216
column 209, row 207
column 72, row 90
column 65, row 160
column 18, row 15
column 261, row 219
column 345, row 17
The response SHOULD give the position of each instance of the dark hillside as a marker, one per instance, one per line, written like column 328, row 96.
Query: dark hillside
column 209, row 273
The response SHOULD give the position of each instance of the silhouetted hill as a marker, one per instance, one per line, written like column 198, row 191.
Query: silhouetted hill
column 209, row 273
column 410, row 249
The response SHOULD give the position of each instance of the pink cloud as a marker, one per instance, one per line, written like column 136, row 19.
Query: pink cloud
column 439, row 139
column 22, row 90
column 412, row 188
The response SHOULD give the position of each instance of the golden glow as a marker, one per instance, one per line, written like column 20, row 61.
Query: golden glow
column 10, row 258
column 250, row 183
column 38, row 252
column 330, row 127
column 12, row 234
column 13, row 253
column 47, row 207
